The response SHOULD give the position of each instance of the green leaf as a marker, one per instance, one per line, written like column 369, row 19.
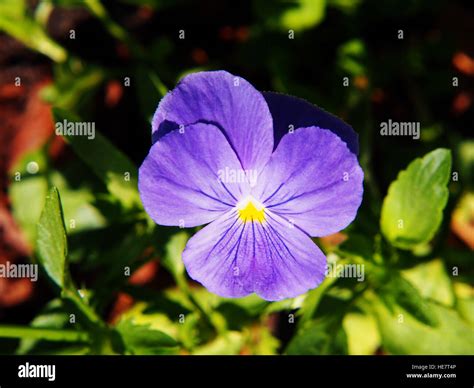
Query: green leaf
column 465, row 301
column 150, row 90
column 15, row 22
column 172, row 259
column 396, row 291
column 403, row 334
column 143, row 339
column 108, row 163
column 347, row 6
column 51, row 239
column 251, row 305
column 319, row 337
column 262, row 342
column 466, row 309
column 54, row 316
column 228, row 344
column 351, row 57
column 31, row 187
column 312, row 300
column 362, row 334
column 75, row 85
column 162, row 315
column 432, row 281
column 296, row 15
column 304, row 14
column 412, row 209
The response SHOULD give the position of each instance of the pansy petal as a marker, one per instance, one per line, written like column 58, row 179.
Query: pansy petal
column 313, row 181
column 274, row 259
column 181, row 181
column 290, row 112
column 229, row 102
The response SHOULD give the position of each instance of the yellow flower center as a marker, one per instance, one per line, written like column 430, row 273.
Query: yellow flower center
column 251, row 210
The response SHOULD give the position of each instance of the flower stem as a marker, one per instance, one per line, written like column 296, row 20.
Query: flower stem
column 15, row 331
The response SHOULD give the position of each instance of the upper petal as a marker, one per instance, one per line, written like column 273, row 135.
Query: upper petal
column 298, row 113
column 229, row 102
column 274, row 259
column 313, row 181
column 181, row 180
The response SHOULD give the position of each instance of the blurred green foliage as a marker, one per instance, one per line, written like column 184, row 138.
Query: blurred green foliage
column 417, row 296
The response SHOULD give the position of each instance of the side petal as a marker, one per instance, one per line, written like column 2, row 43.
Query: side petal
column 181, row 181
column 233, row 258
column 312, row 180
column 229, row 102
column 298, row 113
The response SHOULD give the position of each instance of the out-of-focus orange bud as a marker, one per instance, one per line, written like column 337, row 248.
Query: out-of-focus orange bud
column 113, row 93
column 361, row 82
column 199, row 56
column 463, row 63
column 461, row 102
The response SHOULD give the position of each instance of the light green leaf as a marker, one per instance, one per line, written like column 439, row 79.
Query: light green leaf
column 52, row 241
column 347, row 6
column 351, row 57
column 172, row 260
column 319, row 337
column 403, row 334
column 261, row 342
column 143, row 314
column 28, row 189
column 294, row 15
column 304, row 14
column 55, row 316
column 228, row 344
column 432, row 281
column 396, row 291
column 15, row 22
column 465, row 301
column 412, row 209
column 143, row 339
column 466, row 309
column 362, row 334
column 27, row 198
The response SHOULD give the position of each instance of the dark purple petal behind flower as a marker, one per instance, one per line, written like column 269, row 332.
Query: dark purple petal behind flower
column 288, row 110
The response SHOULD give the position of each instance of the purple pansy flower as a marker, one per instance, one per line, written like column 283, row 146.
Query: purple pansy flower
column 266, row 171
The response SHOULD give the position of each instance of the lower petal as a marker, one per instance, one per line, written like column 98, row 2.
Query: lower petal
column 274, row 259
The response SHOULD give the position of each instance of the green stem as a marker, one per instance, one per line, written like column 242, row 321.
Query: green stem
column 184, row 286
column 314, row 298
column 13, row 331
column 73, row 296
column 115, row 29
